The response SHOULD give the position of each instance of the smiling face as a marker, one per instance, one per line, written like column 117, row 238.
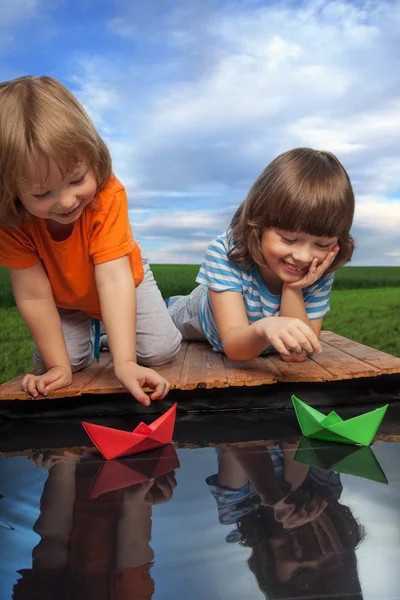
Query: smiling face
column 50, row 195
column 289, row 254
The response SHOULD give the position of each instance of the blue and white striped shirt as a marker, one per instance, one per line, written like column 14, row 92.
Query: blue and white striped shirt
column 220, row 274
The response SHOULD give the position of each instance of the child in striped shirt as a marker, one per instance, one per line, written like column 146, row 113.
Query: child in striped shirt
column 265, row 283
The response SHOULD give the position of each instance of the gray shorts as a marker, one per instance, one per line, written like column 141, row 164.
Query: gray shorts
column 185, row 314
column 157, row 339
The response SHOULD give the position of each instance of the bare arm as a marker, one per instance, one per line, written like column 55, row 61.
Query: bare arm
column 116, row 288
column 292, row 302
column 35, row 302
column 117, row 293
column 243, row 342
column 292, row 305
column 240, row 340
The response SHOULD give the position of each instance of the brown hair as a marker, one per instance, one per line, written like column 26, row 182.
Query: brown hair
column 39, row 116
column 301, row 190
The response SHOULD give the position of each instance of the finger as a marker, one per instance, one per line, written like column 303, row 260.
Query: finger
column 31, row 387
column 41, row 386
column 37, row 459
column 330, row 257
column 315, row 507
column 162, row 492
column 172, row 479
column 314, row 265
column 147, row 485
column 304, row 343
column 285, row 514
column 279, row 346
column 161, row 391
column 137, row 392
column 24, row 382
column 290, row 341
column 311, row 336
column 296, row 519
column 57, row 384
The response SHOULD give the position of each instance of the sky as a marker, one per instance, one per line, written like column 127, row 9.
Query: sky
column 196, row 97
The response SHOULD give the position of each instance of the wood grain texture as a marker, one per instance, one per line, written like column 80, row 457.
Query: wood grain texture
column 198, row 367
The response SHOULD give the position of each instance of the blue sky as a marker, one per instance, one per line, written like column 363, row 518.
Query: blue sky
column 195, row 97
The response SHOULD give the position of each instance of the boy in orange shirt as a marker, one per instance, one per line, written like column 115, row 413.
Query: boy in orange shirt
column 66, row 239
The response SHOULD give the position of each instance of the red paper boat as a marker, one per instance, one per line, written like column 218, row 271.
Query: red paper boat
column 119, row 474
column 114, row 442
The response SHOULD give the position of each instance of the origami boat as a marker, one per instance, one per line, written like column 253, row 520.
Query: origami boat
column 120, row 474
column 359, row 461
column 115, row 442
column 357, row 430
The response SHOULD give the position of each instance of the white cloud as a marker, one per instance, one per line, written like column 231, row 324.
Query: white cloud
column 236, row 87
column 190, row 253
column 379, row 214
column 17, row 10
column 14, row 12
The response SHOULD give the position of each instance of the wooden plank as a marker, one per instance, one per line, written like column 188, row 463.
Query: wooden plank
column 298, row 371
column 173, row 371
column 197, row 366
column 251, row 373
column 106, row 382
column 203, row 368
column 341, row 365
column 385, row 362
column 13, row 391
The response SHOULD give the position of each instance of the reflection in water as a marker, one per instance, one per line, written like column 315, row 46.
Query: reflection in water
column 284, row 517
column 302, row 538
column 359, row 461
column 96, row 546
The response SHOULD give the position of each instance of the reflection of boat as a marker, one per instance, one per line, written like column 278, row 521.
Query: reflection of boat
column 349, row 460
column 115, row 442
column 119, row 474
column 357, row 430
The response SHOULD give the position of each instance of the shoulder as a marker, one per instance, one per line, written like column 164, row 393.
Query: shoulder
column 21, row 232
column 110, row 193
column 112, row 186
column 220, row 247
column 325, row 283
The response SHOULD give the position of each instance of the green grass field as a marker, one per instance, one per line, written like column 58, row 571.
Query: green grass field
column 365, row 306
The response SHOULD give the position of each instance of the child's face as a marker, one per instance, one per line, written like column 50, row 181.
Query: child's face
column 58, row 199
column 289, row 254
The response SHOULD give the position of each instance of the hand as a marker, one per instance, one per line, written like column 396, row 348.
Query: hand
column 47, row 459
column 315, row 271
column 288, row 335
column 152, row 491
column 298, row 508
column 134, row 377
column 162, row 490
column 54, row 379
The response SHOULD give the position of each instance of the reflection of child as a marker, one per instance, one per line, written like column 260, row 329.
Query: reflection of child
column 267, row 280
column 91, row 548
column 67, row 242
column 302, row 538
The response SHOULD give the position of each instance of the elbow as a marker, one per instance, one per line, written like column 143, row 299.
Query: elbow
column 236, row 355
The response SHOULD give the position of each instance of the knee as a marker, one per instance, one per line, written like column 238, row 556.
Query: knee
column 81, row 359
column 163, row 354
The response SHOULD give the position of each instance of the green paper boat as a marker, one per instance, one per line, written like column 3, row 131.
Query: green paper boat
column 331, row 428
column 359, row 461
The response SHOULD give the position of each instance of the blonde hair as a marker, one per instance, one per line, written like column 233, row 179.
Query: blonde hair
column 40, row 117
column 301, row 190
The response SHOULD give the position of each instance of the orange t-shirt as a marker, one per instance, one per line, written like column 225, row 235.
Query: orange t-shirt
column 102, row 233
